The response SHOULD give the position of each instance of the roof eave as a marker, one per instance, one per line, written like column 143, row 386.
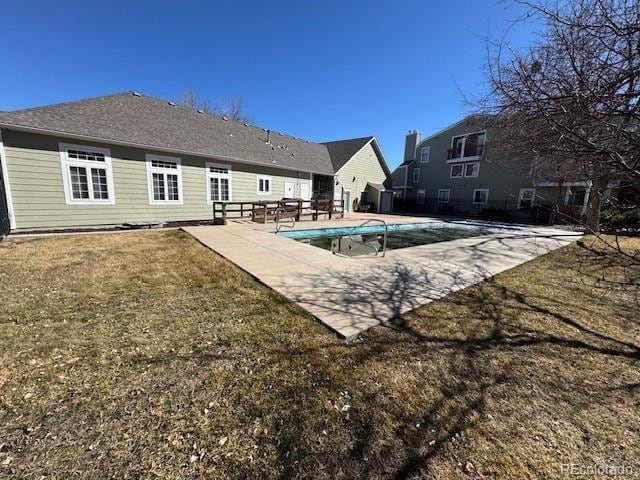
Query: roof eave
column 376, row 146
column 45, row 131
column 383, row 160
column 356, row 153
column 443, row 130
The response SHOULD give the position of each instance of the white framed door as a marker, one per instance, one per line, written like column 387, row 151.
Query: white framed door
column 346, row 197
column 305, row 191
column 386, row 202
column 420, row 197
column 289, row 189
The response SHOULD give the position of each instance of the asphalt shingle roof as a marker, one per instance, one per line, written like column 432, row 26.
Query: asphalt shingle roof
column 341, row 151
column 150, row 122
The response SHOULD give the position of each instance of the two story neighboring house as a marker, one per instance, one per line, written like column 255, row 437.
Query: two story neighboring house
column 456, row 171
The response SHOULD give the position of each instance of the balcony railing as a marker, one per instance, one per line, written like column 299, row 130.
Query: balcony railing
column 469, row 152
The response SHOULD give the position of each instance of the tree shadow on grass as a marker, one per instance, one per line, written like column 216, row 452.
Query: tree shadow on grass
column 386, row 433
column 467, row 375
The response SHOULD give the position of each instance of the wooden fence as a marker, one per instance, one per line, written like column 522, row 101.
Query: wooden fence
column 263, row 212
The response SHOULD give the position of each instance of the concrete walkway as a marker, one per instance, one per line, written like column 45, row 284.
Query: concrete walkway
column 350, row 295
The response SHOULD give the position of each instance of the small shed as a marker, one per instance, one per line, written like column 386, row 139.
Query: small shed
column 375, row 194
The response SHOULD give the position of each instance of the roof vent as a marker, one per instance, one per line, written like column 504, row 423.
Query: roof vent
column 200, row 111
column 293, row 154
column 136, row 94
column 173, row 104
column 225, row 118
column 245, row 124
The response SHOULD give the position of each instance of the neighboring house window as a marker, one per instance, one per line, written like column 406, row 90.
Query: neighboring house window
column 420, row 195
column 472, row 169
column 87, row 175
column 576, row 196
column 218, row 183
column 481, row 195
column 416, row 175
column 424, row 154
column 526, row 197
column 457, row 171
column 263, row 185
column 164, row 175
column 443, row 195
column 467, row 146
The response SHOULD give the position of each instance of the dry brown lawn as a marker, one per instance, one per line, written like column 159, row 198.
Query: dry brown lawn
column 145, row 355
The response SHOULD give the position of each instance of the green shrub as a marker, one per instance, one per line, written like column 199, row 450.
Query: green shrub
column 620, row 219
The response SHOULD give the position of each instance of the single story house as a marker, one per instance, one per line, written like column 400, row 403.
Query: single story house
column 129, row 158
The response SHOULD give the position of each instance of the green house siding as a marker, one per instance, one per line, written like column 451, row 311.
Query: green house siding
column 35, row 176
column 364, row 167
column 503, row 178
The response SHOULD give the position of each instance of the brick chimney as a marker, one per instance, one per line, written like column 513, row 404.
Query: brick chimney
column 410, row 141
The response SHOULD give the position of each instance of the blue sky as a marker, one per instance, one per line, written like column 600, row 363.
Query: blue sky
column 318, row 70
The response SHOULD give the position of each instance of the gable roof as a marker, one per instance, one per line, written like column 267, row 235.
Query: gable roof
column 473, row 117
column 341, row 151
column 136, row 120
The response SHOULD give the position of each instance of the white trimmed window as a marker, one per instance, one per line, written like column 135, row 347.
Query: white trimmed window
column 263, row 185
column 443, row 195
column 472, row 169
column 467, row 146
column 424, row 154
column 526, row 197
column 218, row 183
column 457, row 171
column 86, row 175
column 416, row 175
column 420, row 197
column 481, row 195
column 164, row 177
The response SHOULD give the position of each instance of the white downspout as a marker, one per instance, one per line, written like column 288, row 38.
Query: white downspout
column 7, row 189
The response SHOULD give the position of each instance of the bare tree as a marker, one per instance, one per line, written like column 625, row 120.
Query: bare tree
column 233, row 108
column 191, row 99
column 571, row 100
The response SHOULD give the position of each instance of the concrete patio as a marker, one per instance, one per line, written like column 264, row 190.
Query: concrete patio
column 350, row 295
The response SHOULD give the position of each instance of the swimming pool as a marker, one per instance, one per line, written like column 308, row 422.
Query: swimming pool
column 363, row 240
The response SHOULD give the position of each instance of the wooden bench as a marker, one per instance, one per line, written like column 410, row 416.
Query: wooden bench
column 288, row 212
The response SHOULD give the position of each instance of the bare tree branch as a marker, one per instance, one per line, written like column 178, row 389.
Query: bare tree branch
column 232, row 108
column 571, row 100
